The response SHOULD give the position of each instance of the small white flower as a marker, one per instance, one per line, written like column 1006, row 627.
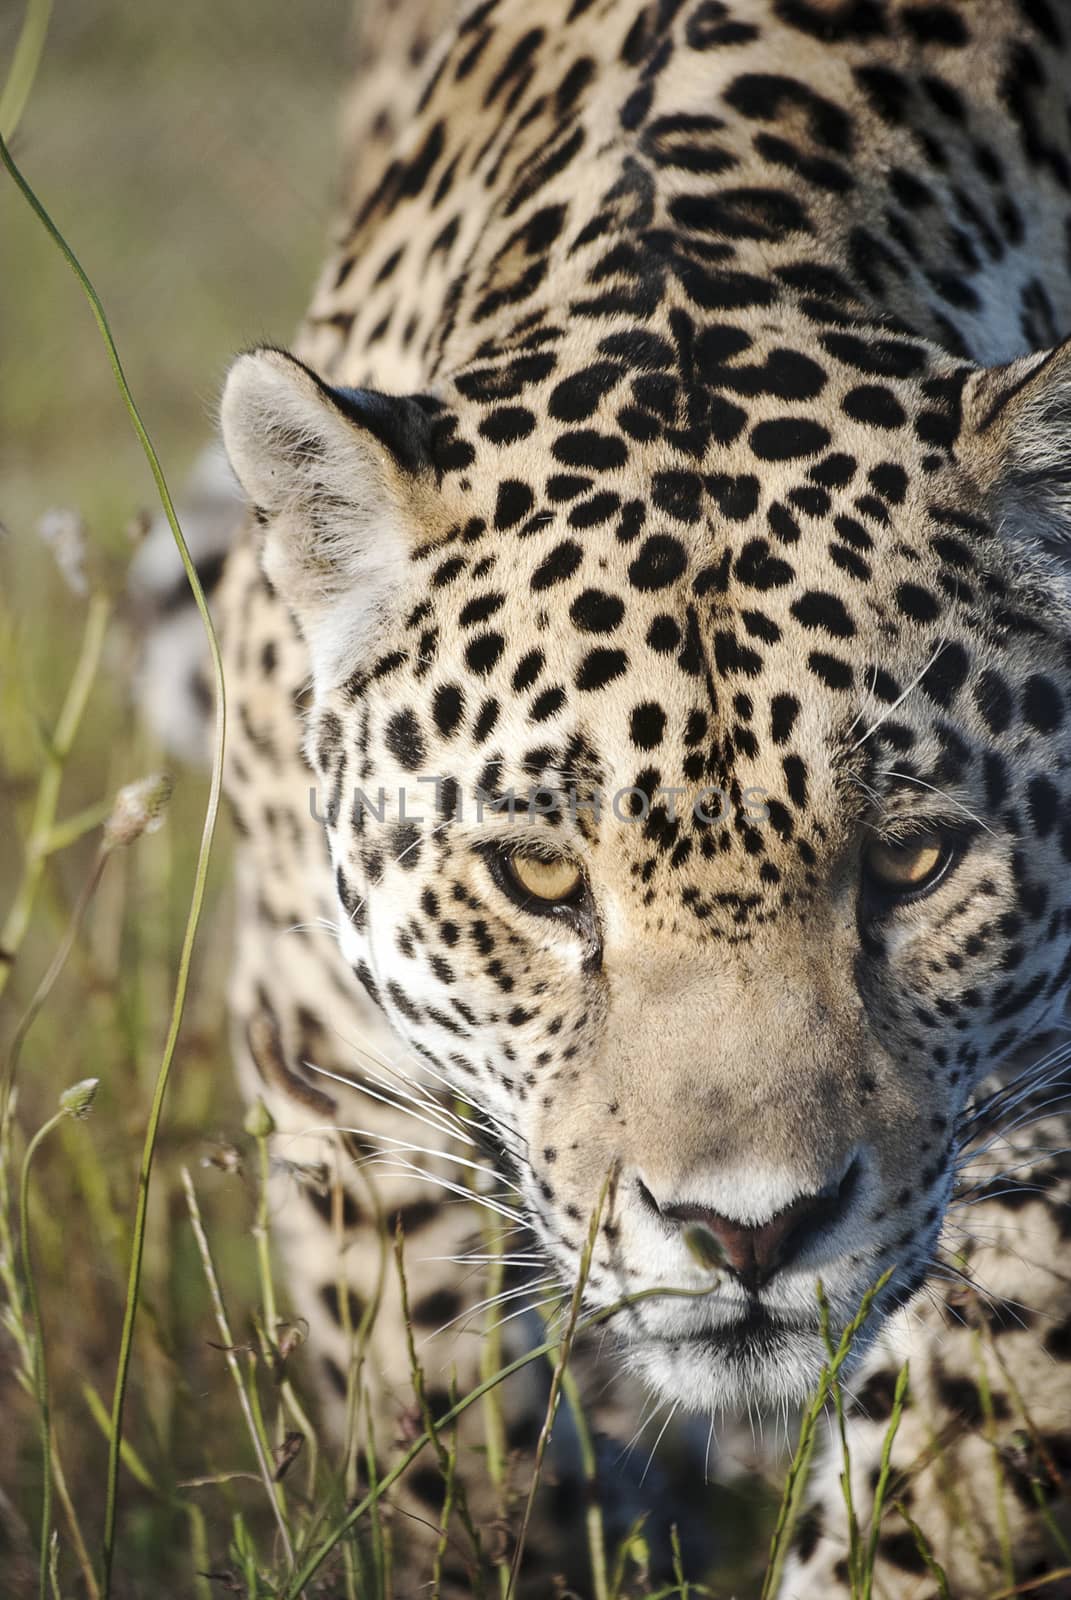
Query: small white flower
column 77, row 1101
column 139, row 808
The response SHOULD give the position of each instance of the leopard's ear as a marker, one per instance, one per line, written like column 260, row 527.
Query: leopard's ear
column 342, row 480
column 1017, row 441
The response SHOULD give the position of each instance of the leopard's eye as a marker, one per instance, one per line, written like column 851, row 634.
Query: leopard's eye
column 906, row 866
column 551, row 881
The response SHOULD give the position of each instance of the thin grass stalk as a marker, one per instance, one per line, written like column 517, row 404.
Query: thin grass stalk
column 593, row 1518
column 494, row 1428
column 269, row 1332
column 564, row 1351
column 936, row 1571
column 24, row 65
column 449, row 1503
column 53, row 1567
column 56, row 965
column 354, row 1358
column 1030, row 1585
column 678, row 1563
column 15, row 1321
column 316, row 1558
column 1037, row 1490
column 985, row 1394
column 129, row 1456
column 40, row 1370
column 1036, row 1437
column 140, row 1472
column 198, row 1551
column 359, row 1340
column 854, row 1548
column 220, row 1312
column 624, row 1552
column 245, row 1550
column 350, row 1571
column 81, row 1554
column 273, row 1360
column 795, row 1482
column 681, row 1586
column 387, row 1535
column 260, row 1130
column 200, row 874
column 379, row 1559
column 46, row 801
column 420, row 1389
column 26, row 1343
column 253, row 1393
column 76, row 826
column 792, row 1496
column 881, row 1488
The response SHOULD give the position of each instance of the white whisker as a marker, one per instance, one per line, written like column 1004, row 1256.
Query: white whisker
column 423, row 1176
column 907, row 777
column 502, row 1298
column 658, row 1441
column 942, row 642
column 395, row 1105
column 400, row 1145
column 652, row 1410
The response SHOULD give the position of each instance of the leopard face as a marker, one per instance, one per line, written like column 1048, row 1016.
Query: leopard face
column 694, row 802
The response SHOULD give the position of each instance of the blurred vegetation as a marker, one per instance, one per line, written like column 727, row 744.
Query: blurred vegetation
column 189, row 151
column 188, row 154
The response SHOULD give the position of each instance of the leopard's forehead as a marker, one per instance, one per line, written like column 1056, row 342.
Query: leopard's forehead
column 713, row 645
column 741, row 497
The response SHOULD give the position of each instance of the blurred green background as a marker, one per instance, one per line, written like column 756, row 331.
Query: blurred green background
column 188, row 153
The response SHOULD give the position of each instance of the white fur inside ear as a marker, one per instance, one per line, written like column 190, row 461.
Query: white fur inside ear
column 340, row 513
column 1038, row 495
column 276, row 424
column 1022, row 447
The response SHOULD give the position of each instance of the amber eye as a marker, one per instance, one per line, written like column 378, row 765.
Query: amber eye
column 906, row 866
column 552, row 881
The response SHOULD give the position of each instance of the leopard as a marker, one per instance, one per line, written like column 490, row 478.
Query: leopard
column 648, row 648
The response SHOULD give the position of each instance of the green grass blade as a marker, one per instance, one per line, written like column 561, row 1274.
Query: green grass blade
column 316, row 1558
column 24, row 65
column 40, row 1370
column 796, row 1480
column 934, row 1567
column 200, row 875
column 881, row 1488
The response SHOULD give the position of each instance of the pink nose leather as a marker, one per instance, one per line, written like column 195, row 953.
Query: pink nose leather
column 754, row 1252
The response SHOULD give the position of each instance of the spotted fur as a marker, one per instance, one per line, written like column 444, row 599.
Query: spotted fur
column 682, row 408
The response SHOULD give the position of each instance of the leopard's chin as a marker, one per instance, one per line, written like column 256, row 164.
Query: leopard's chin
column 757, row 1360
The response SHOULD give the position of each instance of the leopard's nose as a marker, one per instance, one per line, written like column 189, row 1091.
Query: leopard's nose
column 754, row 1251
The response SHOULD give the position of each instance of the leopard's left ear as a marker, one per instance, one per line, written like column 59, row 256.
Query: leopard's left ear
column 1016, row 442
column 344, row 484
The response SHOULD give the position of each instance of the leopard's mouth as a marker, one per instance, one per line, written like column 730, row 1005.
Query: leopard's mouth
column 755, row 1359
column 758, row 1332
